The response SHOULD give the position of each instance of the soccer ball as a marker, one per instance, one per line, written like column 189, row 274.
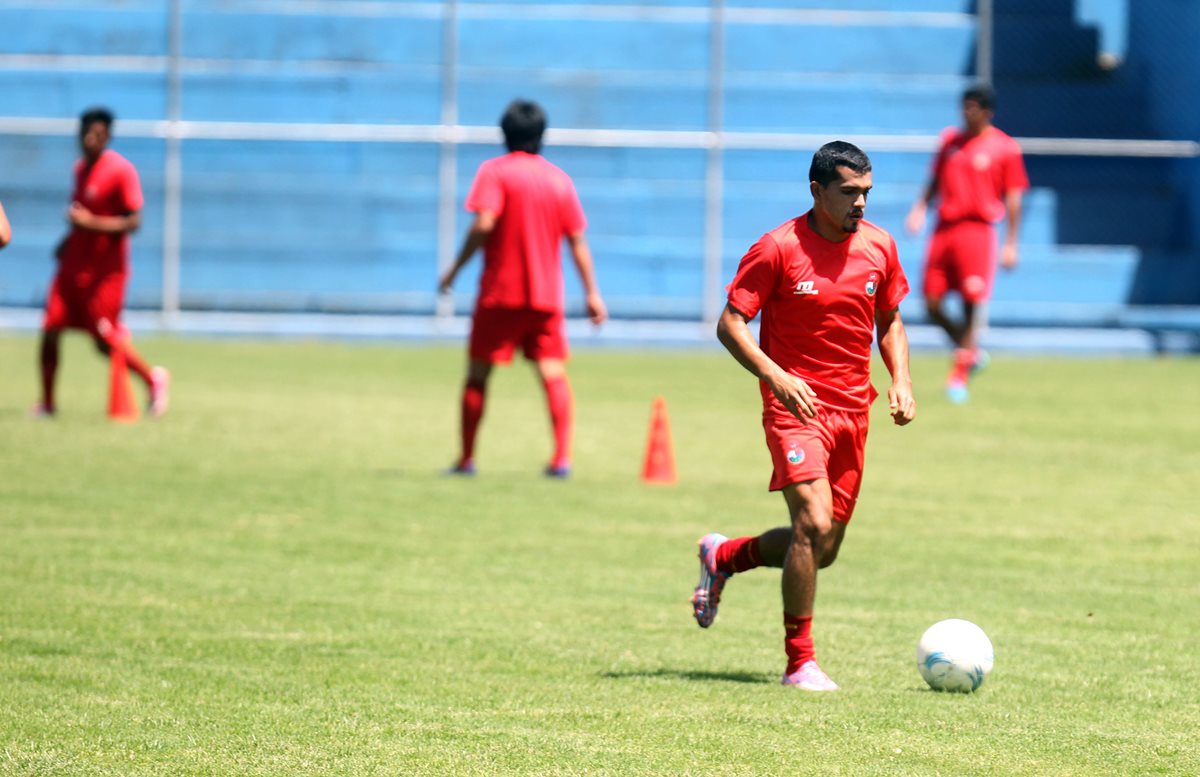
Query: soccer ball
column 954, row 655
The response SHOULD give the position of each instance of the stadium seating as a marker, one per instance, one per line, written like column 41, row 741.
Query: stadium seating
column 306, row 225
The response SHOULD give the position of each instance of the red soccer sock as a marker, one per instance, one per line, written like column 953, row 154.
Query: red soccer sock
column 472, row 414
column 964, row 359
column 561, row 405
column 738, row 555
column 134, row 362
column 797, row 640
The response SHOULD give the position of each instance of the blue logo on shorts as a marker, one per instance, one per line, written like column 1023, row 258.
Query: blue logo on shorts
column 795, row 455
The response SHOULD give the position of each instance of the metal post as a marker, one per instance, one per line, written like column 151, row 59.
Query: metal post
column 173, row 170
column 714, row 179
column 448, row 159
column 984, row 27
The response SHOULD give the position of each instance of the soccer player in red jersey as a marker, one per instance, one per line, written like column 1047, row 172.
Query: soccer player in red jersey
column 979, row 174
column 524, row 207
column 88, row 291
column 827, row 283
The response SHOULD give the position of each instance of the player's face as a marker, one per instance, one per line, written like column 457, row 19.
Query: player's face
column 842, row 203
column 93, row 139
column 976, row 118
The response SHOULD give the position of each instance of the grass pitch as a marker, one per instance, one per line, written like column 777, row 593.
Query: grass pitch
column 274, row 580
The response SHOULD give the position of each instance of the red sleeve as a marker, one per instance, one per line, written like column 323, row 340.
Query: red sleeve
column 756, row 278
column 131, row 190
column 486, row 192
column 1015, row 177
column 895, row 283
column 573, row 220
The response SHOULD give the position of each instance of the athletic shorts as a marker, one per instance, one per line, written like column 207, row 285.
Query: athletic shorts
column 832, row 445
column 962, row 258
column 496, row 333
column 71, row 304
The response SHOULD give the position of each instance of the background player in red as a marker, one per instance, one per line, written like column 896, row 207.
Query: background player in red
column 524, row 206
column 979, row 174
column 5, row 228
column 88, row 291
column 826, row 283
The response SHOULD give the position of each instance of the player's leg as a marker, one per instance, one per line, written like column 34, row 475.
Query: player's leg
column 815, row 539
column 937, row 281
column 492, row 341
column 472, row 404
column 974, row 254
column 48, row 368
column 546, row 345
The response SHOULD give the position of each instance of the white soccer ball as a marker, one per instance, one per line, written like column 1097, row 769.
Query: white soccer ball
column 954, row 655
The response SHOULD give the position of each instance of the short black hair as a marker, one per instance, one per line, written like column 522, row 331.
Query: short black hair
column 831, row 156
column 523, row 123
column 982, row 94
column 93, row 115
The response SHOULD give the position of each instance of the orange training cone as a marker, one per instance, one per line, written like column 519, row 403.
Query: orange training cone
column 659, row 466
column 121, row 404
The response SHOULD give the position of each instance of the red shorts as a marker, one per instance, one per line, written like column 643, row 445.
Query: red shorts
column 962, row 258
column 496, row 333
column 832, row 445
column 82, row 303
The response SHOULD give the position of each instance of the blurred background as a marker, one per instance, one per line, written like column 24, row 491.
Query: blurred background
column 305, row 161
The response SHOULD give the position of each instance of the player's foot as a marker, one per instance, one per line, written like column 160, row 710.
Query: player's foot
column 707, row 595
column 809, row 677
column 560, row 471
column 957, row 392
column 160, row 391
column 41, row 410
column 461, row 469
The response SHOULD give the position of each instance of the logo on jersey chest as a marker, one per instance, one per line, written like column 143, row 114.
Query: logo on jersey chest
column 806, row 287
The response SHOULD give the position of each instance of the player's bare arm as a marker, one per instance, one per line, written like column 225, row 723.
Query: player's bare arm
column 5, row 228
column 915, row 222
column 477, row 234
column 733, row 330
column 81, row 218
column 581, row 253
column 1012, row 207
column 893, row 347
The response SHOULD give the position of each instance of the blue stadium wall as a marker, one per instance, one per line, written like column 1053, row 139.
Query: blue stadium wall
column 353, row 226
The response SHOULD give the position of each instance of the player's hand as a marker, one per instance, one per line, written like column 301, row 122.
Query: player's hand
column 446, row 283
column 596, row 309
column 796, row 395
column 79, row 216
column 1009, row 256
column 901, row 404
column 915, row 222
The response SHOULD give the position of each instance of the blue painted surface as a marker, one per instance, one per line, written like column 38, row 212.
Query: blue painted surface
column 345, row 226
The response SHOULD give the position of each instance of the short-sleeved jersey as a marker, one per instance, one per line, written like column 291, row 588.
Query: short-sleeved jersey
column 109, row 187
column 973, row 174
column 536, row 207
column 818, row 301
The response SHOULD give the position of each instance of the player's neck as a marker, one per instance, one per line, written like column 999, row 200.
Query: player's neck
column 974, row 133
column 831, row 232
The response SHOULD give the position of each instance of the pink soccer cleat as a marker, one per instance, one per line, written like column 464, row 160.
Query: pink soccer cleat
column 160, row 391
column 707, row 595
column 809, row 677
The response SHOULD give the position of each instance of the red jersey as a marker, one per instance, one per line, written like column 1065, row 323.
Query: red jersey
column 974, row 173
column 818, row 301
column 109, row 187
column 536, row 207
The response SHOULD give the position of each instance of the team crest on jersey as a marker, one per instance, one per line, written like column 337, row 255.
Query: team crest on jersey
column 795, row 454
column 981, row 162
column 872, row 284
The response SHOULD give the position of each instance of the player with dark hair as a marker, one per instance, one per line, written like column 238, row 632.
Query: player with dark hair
column 826, row 284
column 524, row 207
column 979, row 176
column 88, row 291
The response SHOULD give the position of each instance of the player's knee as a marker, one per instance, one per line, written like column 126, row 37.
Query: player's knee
column 933, row 305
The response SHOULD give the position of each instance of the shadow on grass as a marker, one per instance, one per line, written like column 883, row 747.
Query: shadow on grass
column 690, row 674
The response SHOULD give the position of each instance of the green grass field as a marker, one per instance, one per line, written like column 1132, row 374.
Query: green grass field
column 274, row 580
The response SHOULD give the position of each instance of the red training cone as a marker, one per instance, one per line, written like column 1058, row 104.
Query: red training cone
column 659, row 466
column 121, row 403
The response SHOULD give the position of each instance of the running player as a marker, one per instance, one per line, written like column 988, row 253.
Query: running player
column 88, row 291
column 524, row 207
column 826, row 284
column 979, row 175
